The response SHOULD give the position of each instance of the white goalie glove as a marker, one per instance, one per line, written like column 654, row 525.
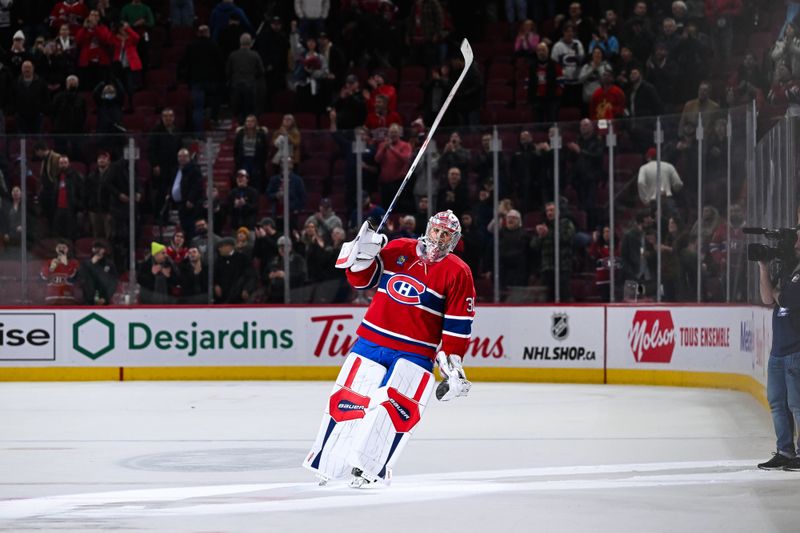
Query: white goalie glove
column 454, row 381
column 359, row 253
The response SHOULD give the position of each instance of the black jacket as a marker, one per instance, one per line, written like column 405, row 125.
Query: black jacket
column 262, row 150
column 30, row 100
column 645, row 102
column 233, row 274
column 244, row 215
column 202, row 62
column 97, row 196
column 69, row 112
column 191, row 186
column 162, row 149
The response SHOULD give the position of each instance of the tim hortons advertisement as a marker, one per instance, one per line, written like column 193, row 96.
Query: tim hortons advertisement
column 712, row 339
column 302, row 336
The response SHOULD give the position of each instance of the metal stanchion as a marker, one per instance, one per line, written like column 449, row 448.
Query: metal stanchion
column 659, row 139
column 497, row 146
column 699, row 135
column 286, row 225
column 210, row 220
column 131, row 154
column 555, row 143
column 23, row 182
column 729, row 135
column 611, row 142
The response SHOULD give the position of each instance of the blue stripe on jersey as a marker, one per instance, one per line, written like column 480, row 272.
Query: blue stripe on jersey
column 460, row 327
column 426, row 299
column 378, row 273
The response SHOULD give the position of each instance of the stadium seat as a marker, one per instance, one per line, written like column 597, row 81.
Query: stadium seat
column 146, row 98
column 502, row 72
column 306, row 121
column 314, row 167
column 410, row 95
column 271, row 120
column 413, row 74
column 499, row 93
column 160, row 78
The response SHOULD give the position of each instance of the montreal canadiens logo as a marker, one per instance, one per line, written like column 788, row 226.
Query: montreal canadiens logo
column 404, row 289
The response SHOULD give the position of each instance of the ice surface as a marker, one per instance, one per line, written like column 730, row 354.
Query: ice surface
column 221, row 456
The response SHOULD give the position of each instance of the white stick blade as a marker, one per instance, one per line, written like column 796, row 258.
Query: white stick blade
column 466, row 51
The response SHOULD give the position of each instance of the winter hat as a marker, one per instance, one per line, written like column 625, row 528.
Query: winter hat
column 19, row 35
column 156, row 248
column 651, row 153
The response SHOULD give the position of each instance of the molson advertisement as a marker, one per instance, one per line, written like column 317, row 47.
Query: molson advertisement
column 711, row 339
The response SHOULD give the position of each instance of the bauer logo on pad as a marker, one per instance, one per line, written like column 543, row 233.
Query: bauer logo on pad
column 405, row 289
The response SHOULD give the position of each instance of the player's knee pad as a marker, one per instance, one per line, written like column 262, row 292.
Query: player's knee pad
column 384, row 431
column 358, row 380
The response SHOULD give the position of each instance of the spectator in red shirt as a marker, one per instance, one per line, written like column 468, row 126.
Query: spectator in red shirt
column 544, row 88
column 393, row 156
column 72, row 12
column 127, row 64
column 378, row 121
column 177, row 249
column 93, row 40
column 59, row 273
column 608, row 101
column 377, row 86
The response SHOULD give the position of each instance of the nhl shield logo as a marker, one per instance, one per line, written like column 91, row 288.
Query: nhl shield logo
column 560, row 326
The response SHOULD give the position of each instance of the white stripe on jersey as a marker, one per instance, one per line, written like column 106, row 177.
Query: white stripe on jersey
column 434, row 293
column 456, row 317
column 393, row 334
column 463, row 336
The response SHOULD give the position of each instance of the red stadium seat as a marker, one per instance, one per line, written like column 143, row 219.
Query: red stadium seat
column 499, row 93
column 314, row 167
column 146, row 98
column 413, row 74
column 306, row 121
column 500, row 71
column 271, row 120
column 410, row 95
column 160, row 78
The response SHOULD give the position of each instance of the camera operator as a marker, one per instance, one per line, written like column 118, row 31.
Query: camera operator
column 783, row 375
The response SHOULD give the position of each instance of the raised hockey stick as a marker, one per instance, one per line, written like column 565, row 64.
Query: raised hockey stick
column 466, row 51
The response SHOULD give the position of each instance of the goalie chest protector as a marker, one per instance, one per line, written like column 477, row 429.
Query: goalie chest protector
column 417, row 306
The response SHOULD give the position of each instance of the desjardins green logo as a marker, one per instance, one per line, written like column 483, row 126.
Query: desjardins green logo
column 94, row 336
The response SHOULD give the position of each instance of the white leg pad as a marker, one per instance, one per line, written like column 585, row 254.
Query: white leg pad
column 383, row 433
column 358, row 380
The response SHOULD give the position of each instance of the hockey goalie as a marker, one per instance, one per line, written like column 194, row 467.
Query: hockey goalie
column 422, row 313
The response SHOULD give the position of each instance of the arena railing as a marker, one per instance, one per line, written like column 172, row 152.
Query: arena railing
column 721, row 165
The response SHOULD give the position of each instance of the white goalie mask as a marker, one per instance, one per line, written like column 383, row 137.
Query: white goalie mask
column 440, row 238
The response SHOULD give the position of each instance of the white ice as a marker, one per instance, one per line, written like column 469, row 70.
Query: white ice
column 221, row 456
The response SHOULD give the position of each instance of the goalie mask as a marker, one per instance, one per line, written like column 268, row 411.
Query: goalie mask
column 441, row 237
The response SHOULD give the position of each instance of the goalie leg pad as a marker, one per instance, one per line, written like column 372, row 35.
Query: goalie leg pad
column 385, row 430
column 350, row 399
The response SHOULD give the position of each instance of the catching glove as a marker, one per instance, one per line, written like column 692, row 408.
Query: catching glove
column 454, row 381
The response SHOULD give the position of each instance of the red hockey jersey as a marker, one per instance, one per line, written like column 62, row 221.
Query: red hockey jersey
column 417, row 306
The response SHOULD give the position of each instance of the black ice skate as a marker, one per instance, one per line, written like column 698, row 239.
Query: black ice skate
column 777, row 462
